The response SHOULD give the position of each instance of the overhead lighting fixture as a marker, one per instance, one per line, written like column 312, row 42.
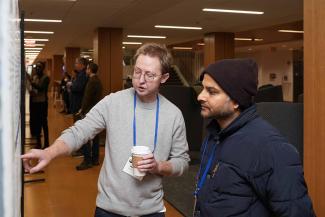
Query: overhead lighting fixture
column 33, row 48
column 128, row 42
column 43, row 20
column 123, row 47
column 290, row 31
column 200, row 44
column 39, row 32
column 34, row 45
column 182, row 48
column 232, row 11
column 145, row 36
column 243, row 39
column 36, row 39
column 249, row 39
column 178, row 27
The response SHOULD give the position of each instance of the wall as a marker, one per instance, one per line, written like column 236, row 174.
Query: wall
column 10, row 144
column 274, row 66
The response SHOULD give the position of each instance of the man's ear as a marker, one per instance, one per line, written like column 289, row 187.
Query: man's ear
column 164, row 78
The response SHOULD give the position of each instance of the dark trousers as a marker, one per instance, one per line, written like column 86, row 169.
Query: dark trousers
column 103, row 213
column 90, row 150
column 39, row 118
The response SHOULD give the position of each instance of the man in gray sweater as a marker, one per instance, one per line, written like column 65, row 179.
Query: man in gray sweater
column 135, row 116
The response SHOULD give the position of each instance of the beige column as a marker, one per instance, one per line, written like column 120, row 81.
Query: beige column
column 314, row 101
column 217, row 46
column 71, row 53
column 108, row 55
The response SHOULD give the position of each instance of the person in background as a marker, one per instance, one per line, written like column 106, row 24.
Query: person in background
column 65, row 92
column 78, row 84
column 247, row 167
column 93, row 94
column 39, row 100
column 138, row 116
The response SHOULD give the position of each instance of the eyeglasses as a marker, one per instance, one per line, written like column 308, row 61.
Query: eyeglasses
column 148, row 76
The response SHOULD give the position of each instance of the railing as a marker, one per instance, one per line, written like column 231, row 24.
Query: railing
column 181, row 76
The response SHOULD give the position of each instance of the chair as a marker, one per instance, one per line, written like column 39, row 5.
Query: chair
column 287, row 118
column 269, row 93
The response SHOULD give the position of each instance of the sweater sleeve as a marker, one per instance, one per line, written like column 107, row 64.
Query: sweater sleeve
column 282, row 187
column 86, row 129
column 179, row 157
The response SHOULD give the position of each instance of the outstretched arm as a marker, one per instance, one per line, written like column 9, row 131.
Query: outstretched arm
column 44, row 157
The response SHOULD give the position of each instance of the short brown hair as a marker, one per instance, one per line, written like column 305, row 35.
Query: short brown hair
column 156, row 50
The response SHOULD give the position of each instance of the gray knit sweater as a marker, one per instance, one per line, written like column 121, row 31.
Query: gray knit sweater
column 119, row 192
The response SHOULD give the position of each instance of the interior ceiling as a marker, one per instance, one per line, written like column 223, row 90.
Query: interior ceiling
column 80, row 19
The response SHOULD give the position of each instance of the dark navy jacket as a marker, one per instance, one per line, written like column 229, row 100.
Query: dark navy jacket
column 77, row 91
column 255, row 172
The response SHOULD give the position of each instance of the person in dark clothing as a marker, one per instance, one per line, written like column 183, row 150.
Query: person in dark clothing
column 65, row 92
column 93, row 94
column 247, row 168
column 78, row 85
column 39, row 100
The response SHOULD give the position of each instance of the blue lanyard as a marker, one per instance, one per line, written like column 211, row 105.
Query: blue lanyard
column 134, row 122
column 207, row 168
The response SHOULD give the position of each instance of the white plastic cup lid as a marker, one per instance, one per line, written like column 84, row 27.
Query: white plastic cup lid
column 140, row 150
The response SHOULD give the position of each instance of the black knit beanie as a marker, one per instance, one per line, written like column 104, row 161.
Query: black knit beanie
column 237, row 77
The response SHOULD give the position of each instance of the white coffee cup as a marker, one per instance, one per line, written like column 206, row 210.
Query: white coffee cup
column 137, row 154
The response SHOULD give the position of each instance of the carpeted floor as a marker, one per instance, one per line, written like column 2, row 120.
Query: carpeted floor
column 179, row 190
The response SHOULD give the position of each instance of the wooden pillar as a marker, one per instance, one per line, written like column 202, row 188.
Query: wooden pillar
column 109, row 57
column 57, row 67
column 71, row 53
column 49, row 67
column 217, row 46
column 314, row 102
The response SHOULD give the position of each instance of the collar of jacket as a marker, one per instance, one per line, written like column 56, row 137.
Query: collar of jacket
column 246, row 116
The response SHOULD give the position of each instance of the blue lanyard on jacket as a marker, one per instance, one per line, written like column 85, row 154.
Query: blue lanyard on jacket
column 202, row 179
column 135, row 126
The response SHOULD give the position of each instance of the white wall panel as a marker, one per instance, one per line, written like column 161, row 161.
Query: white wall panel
column 10, row 167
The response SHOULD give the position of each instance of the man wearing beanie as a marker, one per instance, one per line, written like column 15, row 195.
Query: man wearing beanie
column 247, row 168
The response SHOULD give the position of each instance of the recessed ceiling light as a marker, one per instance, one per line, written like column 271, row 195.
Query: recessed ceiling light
column 33, row 48
column 36, row 39
column 39, row 32
column 232, row 11
column 128, row 42
column 34, row 45
column 43, row 20
column 123, row 47
column 290, row 31
column 249, row 39
column 145, row 36
column 182, row 48
column 178, row 27
column 243, row 39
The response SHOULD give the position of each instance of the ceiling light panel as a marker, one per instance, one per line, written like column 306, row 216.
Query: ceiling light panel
column 38, row 32
column 129, row 42
column 146, row 36
column 178, row 27
column 290, row 31
column 232, row 11
column 43, row 20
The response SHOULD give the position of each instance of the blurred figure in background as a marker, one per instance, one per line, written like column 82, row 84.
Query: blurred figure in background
column 78, row 85
column 39, row 100
column 93, row 94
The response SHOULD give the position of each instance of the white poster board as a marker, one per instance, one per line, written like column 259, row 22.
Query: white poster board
column 10, row 145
